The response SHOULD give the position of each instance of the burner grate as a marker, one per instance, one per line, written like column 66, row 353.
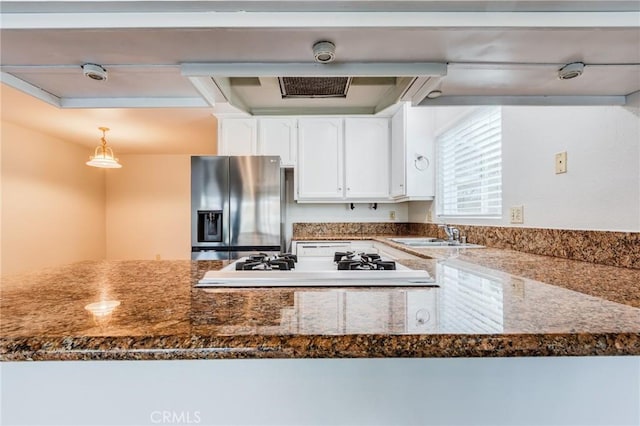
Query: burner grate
column 264, row 262
column 350, row 261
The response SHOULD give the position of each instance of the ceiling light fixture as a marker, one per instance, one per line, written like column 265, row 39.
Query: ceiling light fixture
column 434, row 94
column 103, row 155
column 95, row 72
column 570, row 71
column 324, row 52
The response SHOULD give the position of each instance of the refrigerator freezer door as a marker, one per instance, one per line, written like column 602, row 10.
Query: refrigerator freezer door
column 254, row 201
column 209, row 194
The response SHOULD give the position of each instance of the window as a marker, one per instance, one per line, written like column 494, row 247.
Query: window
column 469, row 167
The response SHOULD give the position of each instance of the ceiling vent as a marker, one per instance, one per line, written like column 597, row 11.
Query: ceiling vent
column 314, row 87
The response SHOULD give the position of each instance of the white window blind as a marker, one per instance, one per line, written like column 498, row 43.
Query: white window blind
column 470, row 166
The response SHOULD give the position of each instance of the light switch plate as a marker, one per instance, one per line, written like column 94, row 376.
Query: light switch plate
column 516, row 214
column 561, row 162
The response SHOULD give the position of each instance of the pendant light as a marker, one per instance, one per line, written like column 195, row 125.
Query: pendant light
column 103, row 156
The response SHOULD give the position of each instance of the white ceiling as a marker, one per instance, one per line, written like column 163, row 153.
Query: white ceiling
column 510, row 56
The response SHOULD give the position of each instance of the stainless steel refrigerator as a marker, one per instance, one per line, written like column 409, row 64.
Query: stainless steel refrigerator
column 236, row 206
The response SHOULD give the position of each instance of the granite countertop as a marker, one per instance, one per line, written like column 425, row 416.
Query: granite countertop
column 489, row 303
column 616, row 284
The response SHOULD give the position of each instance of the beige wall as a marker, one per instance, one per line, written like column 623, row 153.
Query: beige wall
column 148, row 208
column 52, row 204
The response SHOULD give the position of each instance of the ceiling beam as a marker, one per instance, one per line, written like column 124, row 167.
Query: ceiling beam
column 525, row 100
column 29, row 89
column 146, row 102
column 76, row 6
column 102, row 102
column 284, row 19
column 307, row 69
column 522, row 66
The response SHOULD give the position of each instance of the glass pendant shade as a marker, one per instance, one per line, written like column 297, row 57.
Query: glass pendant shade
column 103, row 155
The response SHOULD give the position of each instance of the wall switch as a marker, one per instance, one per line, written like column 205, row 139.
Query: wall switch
column 516, row 214
column 392, row 215
column 561, row 162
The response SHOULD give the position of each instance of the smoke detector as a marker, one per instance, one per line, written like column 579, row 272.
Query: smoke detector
column 324, row 52
column 95, row 72
column 570, row 71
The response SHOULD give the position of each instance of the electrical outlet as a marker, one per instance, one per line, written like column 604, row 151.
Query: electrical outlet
column 561, row 162
column 392, row 215
column 517, row 286
column 157, row 256
column 516, row 214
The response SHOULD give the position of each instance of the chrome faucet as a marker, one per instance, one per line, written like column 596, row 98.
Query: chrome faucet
column 453, row 233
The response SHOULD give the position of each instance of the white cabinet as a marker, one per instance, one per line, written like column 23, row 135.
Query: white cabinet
column 412, row 154
column 238, row 136
column 278, row 136
column 338, row 164
column 336, row 159
column 251, row 136
column 319, row 174
column 366, row 158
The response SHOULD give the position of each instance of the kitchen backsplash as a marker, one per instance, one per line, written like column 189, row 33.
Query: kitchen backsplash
column 346, row 230
column 608, row 248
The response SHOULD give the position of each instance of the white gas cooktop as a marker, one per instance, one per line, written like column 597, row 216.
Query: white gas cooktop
column 315, row 272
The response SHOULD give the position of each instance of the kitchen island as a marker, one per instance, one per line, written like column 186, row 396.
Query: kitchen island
column 490, row 303
column 331, row 356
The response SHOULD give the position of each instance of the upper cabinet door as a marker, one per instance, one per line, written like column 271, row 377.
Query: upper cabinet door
column 412, row 151
column 238, row 136
column 367, row 162
column 279, row 136
column 419, row 151
column 320, row 159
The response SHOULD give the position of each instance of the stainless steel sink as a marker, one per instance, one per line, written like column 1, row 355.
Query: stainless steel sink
column 423, row 242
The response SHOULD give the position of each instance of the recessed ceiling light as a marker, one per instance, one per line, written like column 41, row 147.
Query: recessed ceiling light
column 570, row 71
column 94, row 71
column 324, row 52
column 434, row 94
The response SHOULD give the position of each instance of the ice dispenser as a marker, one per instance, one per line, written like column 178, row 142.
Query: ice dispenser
column 209, row 226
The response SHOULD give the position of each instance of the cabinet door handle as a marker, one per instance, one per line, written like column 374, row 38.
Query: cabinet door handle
column 339, row 189
column 348, row 189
